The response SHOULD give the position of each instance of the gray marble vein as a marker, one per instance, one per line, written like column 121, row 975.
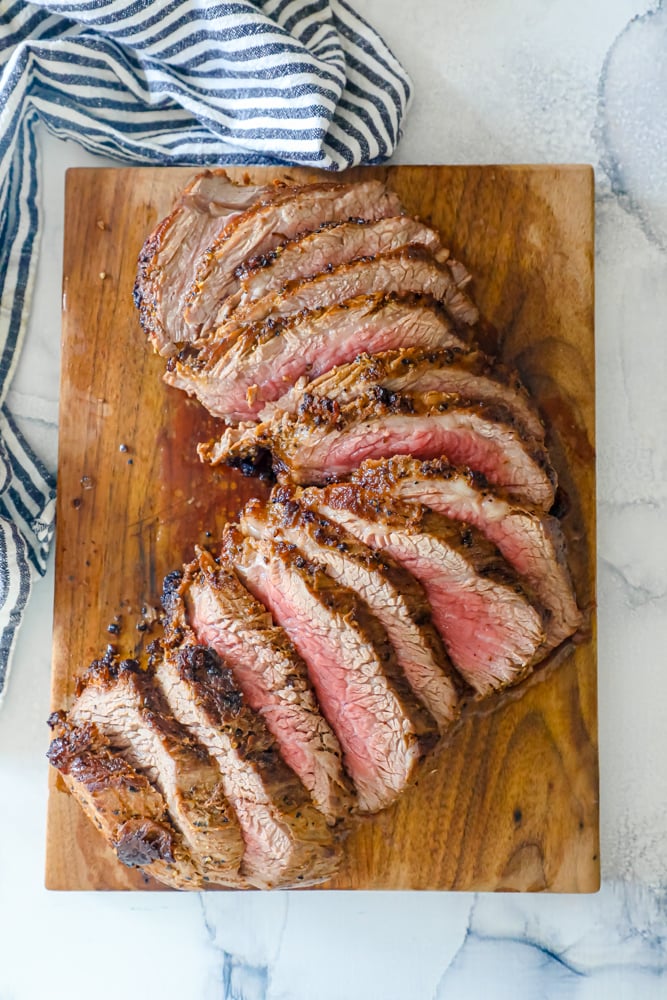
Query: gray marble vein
column 632, row 122
column 518, row 953
column 245, row 932
column 241, row 981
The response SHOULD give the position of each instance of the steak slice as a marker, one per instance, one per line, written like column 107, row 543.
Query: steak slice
column 126, row 707
column 490, row 629
column 531, row 542
column 287, row 841
column 393, row 596
column 328, row 247
column 237, row 383
column 263, row 227
column 469, row 374
column 325, row 442
column 381, row 727
column 128, row 811
column 270, row 673
column 171, row 252
column 407, row 270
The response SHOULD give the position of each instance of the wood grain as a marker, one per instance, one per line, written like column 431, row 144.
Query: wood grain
column 511, row 803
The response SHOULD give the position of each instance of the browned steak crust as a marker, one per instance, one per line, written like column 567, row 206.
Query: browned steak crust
column 287, row 841
column 128, row 811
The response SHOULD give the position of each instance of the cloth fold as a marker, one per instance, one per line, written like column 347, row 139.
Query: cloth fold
column 164, row 82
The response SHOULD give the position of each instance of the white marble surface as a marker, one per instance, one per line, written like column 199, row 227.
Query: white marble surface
column 495, row 81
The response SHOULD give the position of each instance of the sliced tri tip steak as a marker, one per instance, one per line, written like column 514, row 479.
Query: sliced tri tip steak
column 382, row 728
column 532, row 542
column 394, row 596
column 236, row 381
column 327, row 442
column 287, row 840
column 171, row 253
column 268, row 670
column 129, row 812
column 126, row 706
column 333, row 244
column 294, row 209
column 468, row 374
column 407, row 270
column 491, row 629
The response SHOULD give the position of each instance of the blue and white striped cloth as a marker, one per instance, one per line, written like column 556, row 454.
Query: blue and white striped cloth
column 165, row 82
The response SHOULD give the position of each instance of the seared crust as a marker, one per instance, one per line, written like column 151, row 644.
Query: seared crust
column 271, row 675
column 127, row 810
column 349, row 652
column 234, row 379
column 531, row 541
column 174, row 246
column 287, row 841
column 126, row 706
column 471, row 375
column 490, row 625
column 266, row 224
column 327, row 442
column 406, row 270
column 391, row 594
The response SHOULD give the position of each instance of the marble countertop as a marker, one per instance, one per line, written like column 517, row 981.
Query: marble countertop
column 502, row 81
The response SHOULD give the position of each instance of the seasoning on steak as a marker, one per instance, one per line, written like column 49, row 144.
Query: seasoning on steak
column 287, row 841
column 394, row 596
column 237, row 382
column 124, row 704
column 325, row 442
column 408, row 270
column 531, row 542
column 381, row 727
column 270, row 673
column 263, row 227
column 171, row 252
column 326, row 248
column 128, row 811
column 469, row 374
column 491, row 630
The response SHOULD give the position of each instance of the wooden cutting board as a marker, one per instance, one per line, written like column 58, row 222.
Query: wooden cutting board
column 511, row 803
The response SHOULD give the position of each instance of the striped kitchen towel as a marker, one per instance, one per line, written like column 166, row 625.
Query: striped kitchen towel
column 165, row 82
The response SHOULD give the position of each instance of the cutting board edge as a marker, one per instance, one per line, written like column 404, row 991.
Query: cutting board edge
column 391, row 168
